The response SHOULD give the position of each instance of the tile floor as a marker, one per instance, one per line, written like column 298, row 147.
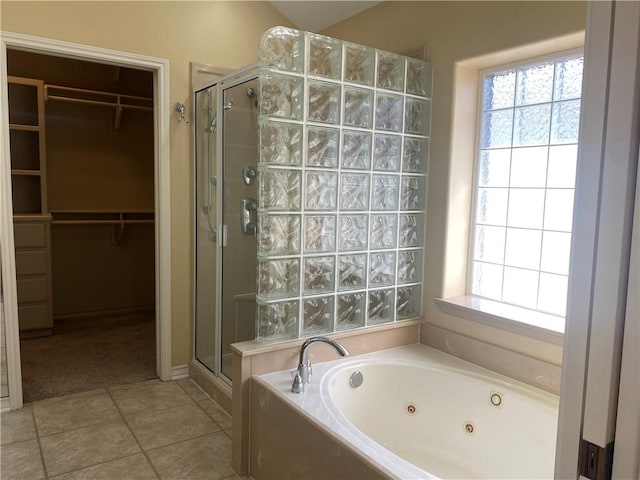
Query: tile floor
column 148, row 430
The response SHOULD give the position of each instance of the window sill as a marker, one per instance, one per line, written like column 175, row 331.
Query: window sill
column 537, row 325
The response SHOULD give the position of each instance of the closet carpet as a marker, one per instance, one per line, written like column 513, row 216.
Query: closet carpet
column 87, row 354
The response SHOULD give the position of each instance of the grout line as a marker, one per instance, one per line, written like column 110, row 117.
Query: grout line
column 35, row 426
column 142, row 450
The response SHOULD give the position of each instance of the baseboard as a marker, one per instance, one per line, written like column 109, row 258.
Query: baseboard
column 105, row 313
column 5, row 405
column 181, row 371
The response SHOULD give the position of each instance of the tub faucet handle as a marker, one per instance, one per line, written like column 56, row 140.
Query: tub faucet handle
column 297, row 386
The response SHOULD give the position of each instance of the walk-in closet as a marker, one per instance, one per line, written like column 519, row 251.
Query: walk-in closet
column 82, row 170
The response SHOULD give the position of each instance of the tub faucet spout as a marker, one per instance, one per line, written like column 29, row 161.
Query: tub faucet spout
column 302, row 375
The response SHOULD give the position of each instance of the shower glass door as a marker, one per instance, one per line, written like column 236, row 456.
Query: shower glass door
column 240, row 153
column 206, row 228
column 226, row 150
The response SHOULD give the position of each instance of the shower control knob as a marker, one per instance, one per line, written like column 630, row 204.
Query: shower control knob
column 249, row 174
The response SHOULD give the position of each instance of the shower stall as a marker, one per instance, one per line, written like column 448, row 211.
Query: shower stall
column 226, row 143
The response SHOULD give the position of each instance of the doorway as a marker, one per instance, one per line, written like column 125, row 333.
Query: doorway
column 156, row 218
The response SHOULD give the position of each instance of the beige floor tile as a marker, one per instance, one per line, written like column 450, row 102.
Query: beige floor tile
column 75, row 412
column 204, row 458
column 136, row 467
column 192, row 389
column 128, row 386
column 17, row 425
column 229, row 432
column 148, row 397
column 64, row 452
column 216, row 412
column 21, row 460
column 163, row 427
column 64, row 398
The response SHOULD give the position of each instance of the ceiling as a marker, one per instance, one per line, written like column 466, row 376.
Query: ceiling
column 314, row 16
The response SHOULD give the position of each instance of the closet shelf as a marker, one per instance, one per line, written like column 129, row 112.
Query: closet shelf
column 101, row 217
column 94, row 97
column 33, row 173
column 26, row 128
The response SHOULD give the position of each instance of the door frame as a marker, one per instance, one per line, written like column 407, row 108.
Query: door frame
column 162, row 195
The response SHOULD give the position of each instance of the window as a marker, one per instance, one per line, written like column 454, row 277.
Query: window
column 525, row 178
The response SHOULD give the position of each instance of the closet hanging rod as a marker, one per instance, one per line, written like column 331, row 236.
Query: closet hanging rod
column 108, row 99
column 99, row 222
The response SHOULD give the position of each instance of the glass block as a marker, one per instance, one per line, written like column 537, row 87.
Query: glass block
column 351, row 311
column 389, row 113
column 497, row 128
column 381, row 306
column 489, row 244
column 419, row 77
column 529, row 167
column 390, row 71
column 356, row 150
column 277, row 321
column 353, row 232
column 282, row 48
column 386, row 152
column 556, row 248
column 413, row 193
column 409, row 266
column 562, row 166
column 411, row 231
column 281, row 96
column 352, row 271
column 565, row 122
column 409, row 302
column 385, row 192
column 494, row 168
column 359, row 64
column 319, row 233
column 278, row 278
column 354, row 191
column 318, row 315
column 520, row 287
column 534, row 84
column 523, row 248
column 491, row 206
column 383, row 231
column 526, row 206
column 552, row 296
column 382, row 269
column 568, row 82
column 325, row 56
column 278, row 234
column 499, row 90
column 416, row 155
column 417, row 116
column 358, row 107
column 558, row 210
column 531, row 125
column 279, row 189
column 322, row 147
column 319, row 274
column 324, row 102
column 487, row 280
column 280, row 143
column 321, row 190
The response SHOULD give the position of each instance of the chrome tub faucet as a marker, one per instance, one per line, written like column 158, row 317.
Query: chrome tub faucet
column 301, row 376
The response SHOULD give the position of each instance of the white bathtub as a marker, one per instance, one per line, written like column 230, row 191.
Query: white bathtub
column 420, row 413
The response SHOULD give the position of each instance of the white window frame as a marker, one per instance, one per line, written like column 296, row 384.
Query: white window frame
column 514, row 312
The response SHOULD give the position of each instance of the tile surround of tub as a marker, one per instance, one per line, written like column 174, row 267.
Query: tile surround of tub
column 532, row 371
column 278, row 452
column 252, row 358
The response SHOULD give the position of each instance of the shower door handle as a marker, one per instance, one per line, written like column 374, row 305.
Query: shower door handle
column 249, row 216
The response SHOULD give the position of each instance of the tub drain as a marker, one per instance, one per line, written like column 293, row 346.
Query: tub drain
column 469, row 428
column 411, row 409
column 496, row 399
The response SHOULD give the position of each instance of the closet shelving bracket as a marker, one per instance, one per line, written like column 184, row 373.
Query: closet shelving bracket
column 117, row 101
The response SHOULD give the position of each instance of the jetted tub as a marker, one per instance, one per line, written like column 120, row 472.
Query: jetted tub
column 420, row 413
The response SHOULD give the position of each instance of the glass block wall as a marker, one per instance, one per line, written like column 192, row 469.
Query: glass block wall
column 343, row 157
